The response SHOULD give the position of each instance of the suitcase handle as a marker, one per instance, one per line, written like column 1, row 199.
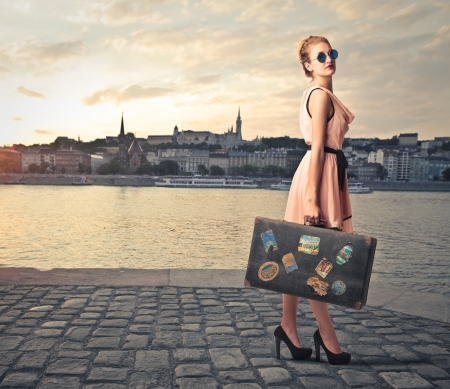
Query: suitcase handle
column 323, row 221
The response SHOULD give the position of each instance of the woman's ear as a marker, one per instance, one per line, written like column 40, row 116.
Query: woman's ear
column 308, row 66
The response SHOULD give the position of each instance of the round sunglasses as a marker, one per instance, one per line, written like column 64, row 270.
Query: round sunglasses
column 322, row 57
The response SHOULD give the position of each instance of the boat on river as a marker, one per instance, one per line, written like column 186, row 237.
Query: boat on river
column 358, row 187
column 283, row 185
column 206, row 182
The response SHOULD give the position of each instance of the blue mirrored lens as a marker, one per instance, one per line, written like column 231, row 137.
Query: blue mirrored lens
column 322, row 57
column 333, row 54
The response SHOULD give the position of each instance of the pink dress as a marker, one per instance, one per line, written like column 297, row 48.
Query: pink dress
column 334, row 203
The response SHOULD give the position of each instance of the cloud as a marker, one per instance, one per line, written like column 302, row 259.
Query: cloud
column 442, row 38
column 193, row 81
column 117, row 12
column 357, row 9
column 30, row 93
column 132, row 92
column 42, row 54
column 405, row 17
column 17, row 119
column 4, row 69
column 117, row 43
column 43, row 132
column 266, row 10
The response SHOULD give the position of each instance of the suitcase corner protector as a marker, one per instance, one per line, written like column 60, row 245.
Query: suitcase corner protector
column 246, row 283
column 368, row 240
column 258, row 219
column 358, row 305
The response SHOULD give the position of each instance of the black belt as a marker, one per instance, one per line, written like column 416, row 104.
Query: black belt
column 341, row 162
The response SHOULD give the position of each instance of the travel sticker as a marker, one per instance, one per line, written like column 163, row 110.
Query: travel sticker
column 323, row 268
column 268, row 271
column 344, row 254
column 309, row 245
column 289, row 262
column 320, row 287
column 269, row 242
column 338, row 287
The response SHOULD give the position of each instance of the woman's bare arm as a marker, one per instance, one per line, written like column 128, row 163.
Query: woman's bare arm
column 319, row 106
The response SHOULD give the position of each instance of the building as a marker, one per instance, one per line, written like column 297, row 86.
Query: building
column 136, row 157
column 237, row 160
column 390, row 164
column 10, row 161
column 419, row 169
column 195, row 158
column 403, row 166
column 376, row 157
column 261, row 159
column 293, row 159
column 437, row 167
column 133, row 157
column 408, row 140
column 228, row 140
column 30, row 157
column 366, row 171
column 67, row 161
column 220, row 159
column 430, row 144
column 180, row 156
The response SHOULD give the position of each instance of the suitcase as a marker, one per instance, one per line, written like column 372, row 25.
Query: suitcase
column 315, row 263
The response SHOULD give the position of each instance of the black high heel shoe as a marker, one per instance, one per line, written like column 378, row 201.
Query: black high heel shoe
column 333, row 359
column 296, row 352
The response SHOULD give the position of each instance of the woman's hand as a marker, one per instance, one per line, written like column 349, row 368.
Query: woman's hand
column 313, row 214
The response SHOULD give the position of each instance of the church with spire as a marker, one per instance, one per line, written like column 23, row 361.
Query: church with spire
column 131, row 157
column 229, row 140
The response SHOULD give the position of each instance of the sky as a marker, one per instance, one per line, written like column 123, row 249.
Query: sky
column 70, row 68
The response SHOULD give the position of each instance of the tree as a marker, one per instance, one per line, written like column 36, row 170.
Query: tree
column 43, row 167
column 88, row 169
column 81, row 168
column 168, row 168
column 250, row 170
column 446, row 174
column 146, row 168
column 274, row 170
column 33, row 168
column 216, row 170
column 112, row 167
column 202, row 169
column 130, row 135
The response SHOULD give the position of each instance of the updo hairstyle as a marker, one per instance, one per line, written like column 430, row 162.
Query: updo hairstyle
column 303, row 50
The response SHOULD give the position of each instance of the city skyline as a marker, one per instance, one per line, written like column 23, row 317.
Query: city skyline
column 69, row 69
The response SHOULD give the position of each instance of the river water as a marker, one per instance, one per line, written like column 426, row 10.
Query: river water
column 126, row 227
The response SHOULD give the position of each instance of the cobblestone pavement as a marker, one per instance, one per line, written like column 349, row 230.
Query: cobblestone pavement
column 192, row 338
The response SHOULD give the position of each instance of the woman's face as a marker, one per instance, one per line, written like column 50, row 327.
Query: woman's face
column 325, row 69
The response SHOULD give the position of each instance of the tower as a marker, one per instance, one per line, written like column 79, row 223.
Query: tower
column 123, row 152
column 239, row 126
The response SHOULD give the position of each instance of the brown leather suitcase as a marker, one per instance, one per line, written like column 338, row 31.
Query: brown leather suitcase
column 315, row 263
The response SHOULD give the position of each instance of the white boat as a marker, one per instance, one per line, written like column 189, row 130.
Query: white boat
column 283, row 185
column 206, row 182
column 358, row 187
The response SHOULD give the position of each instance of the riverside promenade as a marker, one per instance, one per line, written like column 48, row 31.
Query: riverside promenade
column 201, row 329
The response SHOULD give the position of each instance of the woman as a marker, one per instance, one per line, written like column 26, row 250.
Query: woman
column 319, row 190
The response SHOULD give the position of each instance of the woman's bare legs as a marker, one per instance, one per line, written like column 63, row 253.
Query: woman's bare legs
column 289, row 318
column 326, row 328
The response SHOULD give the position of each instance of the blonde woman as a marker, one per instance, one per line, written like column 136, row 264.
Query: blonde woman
column 319, row 190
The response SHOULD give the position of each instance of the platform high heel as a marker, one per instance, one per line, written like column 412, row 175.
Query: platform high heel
column 333, row 359
column 296, row 352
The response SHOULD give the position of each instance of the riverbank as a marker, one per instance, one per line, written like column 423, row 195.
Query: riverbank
column 141, row 181
column 200, row 329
